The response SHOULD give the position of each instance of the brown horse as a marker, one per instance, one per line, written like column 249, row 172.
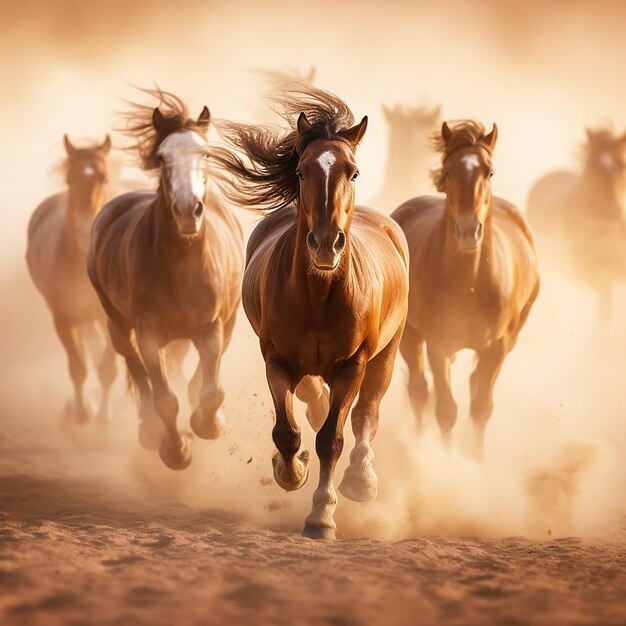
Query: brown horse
column 410, row 155
column 58, row 237
column 581, row 215
column 167, row 265
column 325, row 289
column 473, row 277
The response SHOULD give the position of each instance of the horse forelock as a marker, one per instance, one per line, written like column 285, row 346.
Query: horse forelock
column 464, row 134
column 138, row 125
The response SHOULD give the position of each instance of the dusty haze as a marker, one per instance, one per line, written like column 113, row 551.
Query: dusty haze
column 542, row 70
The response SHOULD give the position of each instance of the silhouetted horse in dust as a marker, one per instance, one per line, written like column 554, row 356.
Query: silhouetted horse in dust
column 325, row 289
column 579, row 216
column 473, row 277
column 167, row 265
column 56, row 255
column 409, row 154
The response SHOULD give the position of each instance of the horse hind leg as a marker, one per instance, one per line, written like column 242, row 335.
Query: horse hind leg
column 207, row 420
column 482, row 382
column 412, row 350
column 320, row 523
column 312, row 391
column 107, row 373
column 175, row 447
column 359, row 480
column 291, row 470
column 149, row 424
column 71, row 340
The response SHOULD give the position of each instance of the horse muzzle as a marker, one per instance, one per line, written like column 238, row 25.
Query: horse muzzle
column 326, row 251
column 188, row 219
column 469, row 235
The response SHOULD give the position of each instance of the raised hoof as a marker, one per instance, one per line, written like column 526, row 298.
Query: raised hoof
column 288, row 478
column 318, row 532
column 317, row 413
column 177, row 456
column 359, row 485
column 150, row 434
column 207, row 428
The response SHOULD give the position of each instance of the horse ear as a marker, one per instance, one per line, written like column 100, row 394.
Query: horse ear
column 303, row 123
column 491, row 138
column 106, row 145
column 355, row 134
column 157, row 118
column 69, row 148
column 204, row 118
column 387, row 111
column 311, row 75
column 446, row 133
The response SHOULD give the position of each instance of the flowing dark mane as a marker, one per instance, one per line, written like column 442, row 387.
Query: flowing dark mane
column 465, row 133
column 137, row 124
column 261, row 170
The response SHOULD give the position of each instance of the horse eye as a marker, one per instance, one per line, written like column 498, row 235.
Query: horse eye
column 299, row 175
column 491, row 173
column 355, row 175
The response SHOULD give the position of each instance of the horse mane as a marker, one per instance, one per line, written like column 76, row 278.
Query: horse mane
column 464, row 133
column 265, row 158
column 138, row 126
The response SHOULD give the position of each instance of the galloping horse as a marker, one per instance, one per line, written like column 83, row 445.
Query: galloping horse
column 58, row 238
column 167, row 265
column 410, row 155
column 473, row 277
column 325, row 289
column 582, row 214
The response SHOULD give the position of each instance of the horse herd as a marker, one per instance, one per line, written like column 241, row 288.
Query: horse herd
column 332, row 290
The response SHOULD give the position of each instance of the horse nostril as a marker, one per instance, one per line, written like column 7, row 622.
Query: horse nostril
column 457, row 231
column 311, row 242
column 340, row 241
column 197, row 212
column 478, row 232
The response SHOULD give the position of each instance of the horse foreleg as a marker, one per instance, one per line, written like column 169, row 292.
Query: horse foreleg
column 290, row 471
column 107, row 372
column 71, row 340
column 175, row 448
column 359, row 480
column 445, row 407
column 149, row 424
column 482, row 383
column 207, row 421
column 412, row 350
column 344, row 386
column 312, row 391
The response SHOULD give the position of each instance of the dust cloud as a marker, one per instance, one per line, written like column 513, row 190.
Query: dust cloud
column 555, row 445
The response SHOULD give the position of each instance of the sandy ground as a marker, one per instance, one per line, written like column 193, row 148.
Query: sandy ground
column 95, row 531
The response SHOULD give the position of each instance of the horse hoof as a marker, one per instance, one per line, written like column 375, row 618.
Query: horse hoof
column 150, row 434
column 318, row 532
column 207, row 428
column 178, row 456
column 291, row 477
column 359, row 484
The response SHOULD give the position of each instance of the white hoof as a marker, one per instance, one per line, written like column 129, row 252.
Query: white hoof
column 291, row 476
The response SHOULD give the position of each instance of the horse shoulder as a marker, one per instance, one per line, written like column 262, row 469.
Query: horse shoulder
column 273, row 224
column 510, row 211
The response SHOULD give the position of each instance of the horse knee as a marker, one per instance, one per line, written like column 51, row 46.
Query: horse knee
column 78, row 370
column 107, row 372
column 446, row 411
column 481, row 409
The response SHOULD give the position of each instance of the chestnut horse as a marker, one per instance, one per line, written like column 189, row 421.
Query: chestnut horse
column 581, row 215
column 167, row 265
column 473, row 277
column 56, row 254
column 325, row 289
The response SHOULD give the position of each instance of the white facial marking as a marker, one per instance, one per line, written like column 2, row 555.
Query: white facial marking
column 606, row 159
column 184, row 158
column 326, row 160
column 88, row 171
column 471, row 161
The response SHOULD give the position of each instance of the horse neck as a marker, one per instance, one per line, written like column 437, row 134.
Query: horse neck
column 72, row 210
column 599, row 198
column 469, row 268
